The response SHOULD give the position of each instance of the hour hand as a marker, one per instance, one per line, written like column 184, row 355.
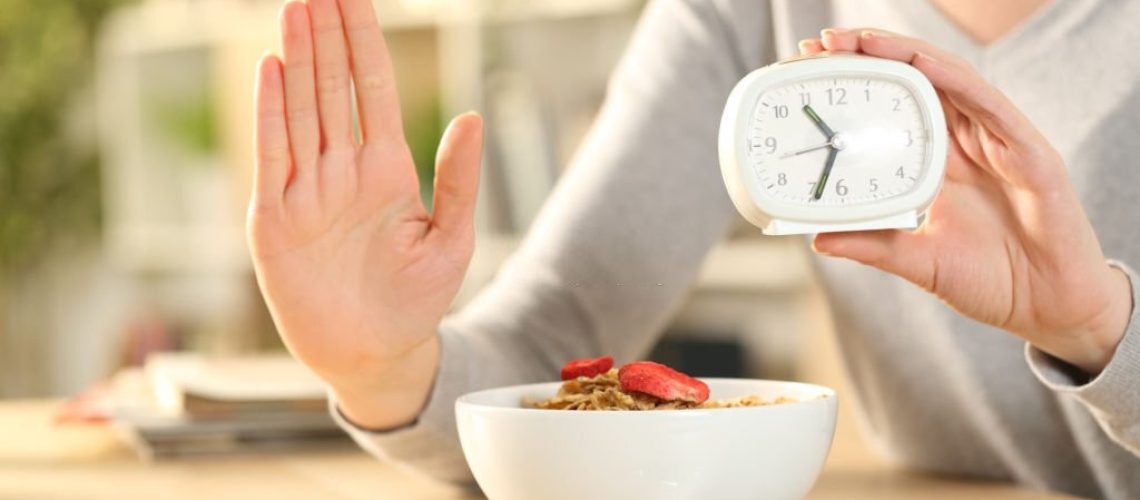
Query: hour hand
column 827, row 132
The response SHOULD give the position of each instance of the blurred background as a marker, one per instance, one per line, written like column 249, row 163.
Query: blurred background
column 125, row 154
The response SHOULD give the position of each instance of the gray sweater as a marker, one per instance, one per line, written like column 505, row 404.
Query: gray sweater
column 643, row 203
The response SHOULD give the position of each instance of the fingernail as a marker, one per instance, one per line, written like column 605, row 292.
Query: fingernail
column 868, row 34
column 923, row 55
column 830, row 31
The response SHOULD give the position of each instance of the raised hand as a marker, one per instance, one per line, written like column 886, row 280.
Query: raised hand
column 1006, row 242
column 357, row 274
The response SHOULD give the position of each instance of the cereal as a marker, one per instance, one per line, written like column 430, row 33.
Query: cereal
column 604, row 393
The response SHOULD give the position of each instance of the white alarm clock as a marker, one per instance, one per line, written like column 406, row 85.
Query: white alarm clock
column 835, row 142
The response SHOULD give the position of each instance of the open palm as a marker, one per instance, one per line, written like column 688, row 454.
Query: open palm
column 1006, row 242
column 357, row 274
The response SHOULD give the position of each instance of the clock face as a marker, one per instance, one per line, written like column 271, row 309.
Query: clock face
column 839, row 141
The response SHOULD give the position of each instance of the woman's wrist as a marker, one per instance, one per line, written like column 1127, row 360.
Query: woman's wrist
column 395, row 395
column 1117, row 317
column 1092, row 347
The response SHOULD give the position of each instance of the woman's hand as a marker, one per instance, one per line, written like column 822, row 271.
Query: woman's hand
column 357, row 274
column 1006, row 242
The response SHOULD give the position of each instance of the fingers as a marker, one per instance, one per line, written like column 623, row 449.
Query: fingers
column 901, row 253
column 334, row 98
column 975, row 107
column 839, row 40
column 457, row 173
column 962, row 84
column 810, row 46
column 376, row 94
column 300, row 88
column 271, row 165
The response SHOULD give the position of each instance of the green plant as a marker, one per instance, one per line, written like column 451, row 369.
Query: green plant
column 423, row 126
column 191, row 123
column 49, row 183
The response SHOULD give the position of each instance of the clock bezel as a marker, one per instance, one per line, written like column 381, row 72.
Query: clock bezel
column 759, row 207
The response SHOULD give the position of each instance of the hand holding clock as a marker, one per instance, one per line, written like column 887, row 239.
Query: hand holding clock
column 1006, row 242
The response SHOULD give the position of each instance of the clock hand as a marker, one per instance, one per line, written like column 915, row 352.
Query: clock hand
column 832, row 151
column 819, row 122
column 826, row 172
column 808, row 149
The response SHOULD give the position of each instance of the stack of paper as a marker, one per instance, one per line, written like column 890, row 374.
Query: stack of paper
column 188, row 404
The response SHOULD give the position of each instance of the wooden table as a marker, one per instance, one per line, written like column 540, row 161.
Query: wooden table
column 42, row 460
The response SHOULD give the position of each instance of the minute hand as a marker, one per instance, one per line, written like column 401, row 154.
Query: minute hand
column 826, row 172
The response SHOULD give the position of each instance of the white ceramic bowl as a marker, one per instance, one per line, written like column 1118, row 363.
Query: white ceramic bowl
column 770, row 452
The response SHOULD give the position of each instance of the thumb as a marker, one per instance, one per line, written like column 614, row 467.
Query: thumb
column 905, row 254
column 457, row 173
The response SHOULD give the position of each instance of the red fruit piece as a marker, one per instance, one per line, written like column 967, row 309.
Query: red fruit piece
column 586, row 367
column 662, row 382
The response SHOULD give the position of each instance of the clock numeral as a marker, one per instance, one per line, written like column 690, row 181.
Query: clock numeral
column 840, row 189
column 900, row 174
column 782, row 179
column 909, row 138
column 874, row 184
column 811, row 187
column 781, row 111
column 896, row 102
column 867, row 94
column 837, row 97
column 805, row 98
column 770, row 143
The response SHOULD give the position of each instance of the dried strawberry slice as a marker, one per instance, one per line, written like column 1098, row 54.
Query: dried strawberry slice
column 662, row 382
column 586, row 367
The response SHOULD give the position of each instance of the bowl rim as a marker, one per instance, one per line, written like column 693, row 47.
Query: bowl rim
column 464, row 400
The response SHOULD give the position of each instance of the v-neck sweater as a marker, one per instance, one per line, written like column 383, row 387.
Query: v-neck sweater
column 643, row 202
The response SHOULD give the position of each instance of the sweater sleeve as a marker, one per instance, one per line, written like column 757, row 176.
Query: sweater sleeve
column 1111, row 396
column 621, row 239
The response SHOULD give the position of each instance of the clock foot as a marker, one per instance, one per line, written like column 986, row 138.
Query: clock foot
column 908, row 220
